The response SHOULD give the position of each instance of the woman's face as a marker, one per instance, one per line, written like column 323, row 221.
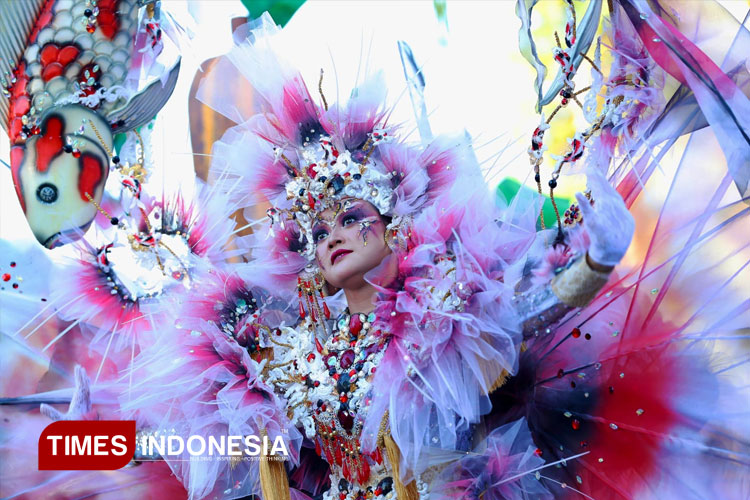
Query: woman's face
column 349, row 242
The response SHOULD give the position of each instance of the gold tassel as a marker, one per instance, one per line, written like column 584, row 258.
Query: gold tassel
column 409, row 491
column 274, row 482
column 499, row 382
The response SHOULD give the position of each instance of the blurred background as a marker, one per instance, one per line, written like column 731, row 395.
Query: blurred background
column 476, row 79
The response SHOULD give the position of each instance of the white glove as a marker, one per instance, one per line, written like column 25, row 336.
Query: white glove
column 80, row 403
column 609, row 224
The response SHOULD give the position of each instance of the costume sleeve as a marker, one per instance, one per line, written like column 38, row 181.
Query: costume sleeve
column 574, row 286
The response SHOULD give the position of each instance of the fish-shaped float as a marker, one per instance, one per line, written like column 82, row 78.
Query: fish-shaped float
column 66, row 70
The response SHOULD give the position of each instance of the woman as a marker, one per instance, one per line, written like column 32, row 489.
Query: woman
column 430, row 271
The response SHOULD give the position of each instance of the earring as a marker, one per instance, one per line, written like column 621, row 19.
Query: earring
column 308, row 291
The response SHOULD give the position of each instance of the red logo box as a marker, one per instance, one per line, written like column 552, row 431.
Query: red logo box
column 87, row 445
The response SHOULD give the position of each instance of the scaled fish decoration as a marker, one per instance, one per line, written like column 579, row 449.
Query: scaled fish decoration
column 63, row 70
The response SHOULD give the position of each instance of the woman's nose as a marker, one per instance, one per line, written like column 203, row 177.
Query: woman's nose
column 335, row 237
column 333, row 241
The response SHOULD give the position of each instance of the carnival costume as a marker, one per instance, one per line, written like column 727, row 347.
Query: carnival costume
column 498, row 361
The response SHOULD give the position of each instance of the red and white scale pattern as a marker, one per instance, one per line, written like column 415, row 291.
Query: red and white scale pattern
column 71, row 54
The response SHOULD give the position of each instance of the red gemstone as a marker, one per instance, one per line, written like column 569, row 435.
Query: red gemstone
column 346, row 359
column 538, row 452
column 575, row 424
column 15, row 285
column 378, row 491
column 76, row 153
column 310, row 357
column 317, row 447
column 6, row 277
column 326, row 311
column 318, row 347
column 355, row 324
column 576, row 333
column 312, row 315
column 346, row 420
column 301, row 311
column 343, row 398
column 310, row 200
column 12, row 264
column 90, row 28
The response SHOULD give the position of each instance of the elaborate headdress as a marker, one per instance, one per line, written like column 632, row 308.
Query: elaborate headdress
column 305, row 157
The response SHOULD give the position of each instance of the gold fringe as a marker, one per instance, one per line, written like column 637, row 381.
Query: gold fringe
column 274, row 482
column 408, row 492
column 499, row 382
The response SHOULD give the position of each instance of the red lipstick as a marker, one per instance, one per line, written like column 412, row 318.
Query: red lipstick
column 339, row 253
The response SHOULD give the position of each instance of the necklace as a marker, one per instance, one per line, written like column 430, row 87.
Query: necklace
column 350, row 357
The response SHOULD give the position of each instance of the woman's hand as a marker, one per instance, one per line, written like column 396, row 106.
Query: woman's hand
column 609, row 224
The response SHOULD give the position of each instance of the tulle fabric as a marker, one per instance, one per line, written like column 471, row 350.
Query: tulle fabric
column 502, row 468
column 640, row 393
column 196, row 380
column 455, row 333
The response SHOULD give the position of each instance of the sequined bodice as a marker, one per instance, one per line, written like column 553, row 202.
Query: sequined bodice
column 328, row 389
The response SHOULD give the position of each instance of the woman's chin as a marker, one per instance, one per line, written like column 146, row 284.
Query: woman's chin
column 342, row 276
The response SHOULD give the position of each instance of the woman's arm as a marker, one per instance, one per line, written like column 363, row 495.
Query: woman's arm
column 541, row 307
column 610, row 229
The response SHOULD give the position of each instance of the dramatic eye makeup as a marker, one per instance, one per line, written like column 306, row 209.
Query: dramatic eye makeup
column 319, row 233
column 351, row 214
